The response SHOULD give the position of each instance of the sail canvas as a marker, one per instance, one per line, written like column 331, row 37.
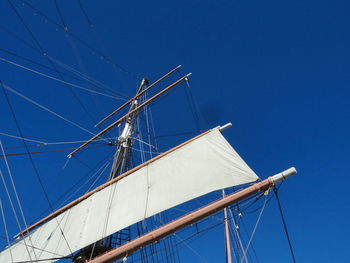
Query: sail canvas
column 201, row 166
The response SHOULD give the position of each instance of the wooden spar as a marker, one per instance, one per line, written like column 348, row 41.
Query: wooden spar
column 128, row 114
column 85, row 196
column 138, row 95
column 227, row 235
column 227, row 238
column 204, row 212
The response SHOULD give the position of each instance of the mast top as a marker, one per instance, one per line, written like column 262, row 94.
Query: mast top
column 174, row 84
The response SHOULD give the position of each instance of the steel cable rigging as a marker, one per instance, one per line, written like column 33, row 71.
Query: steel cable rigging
column 32, row 161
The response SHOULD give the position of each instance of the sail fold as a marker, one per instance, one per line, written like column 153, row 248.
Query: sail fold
column 201, row 166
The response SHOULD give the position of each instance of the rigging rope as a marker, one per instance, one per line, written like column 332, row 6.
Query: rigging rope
column 47, row 151
column 254, row 230
column 88, row 78
column 13, row 185
column 97, row 34
column 43, row 143
column 8, row 31
column 32, row 162
column 5, row 228
column 59, row 80
column 52, row 64
column 193, row 105
column 275, row 190
column 79, row 181
column 15, row 214
column 84, row 43
column 61, row 16
column 41, row 260
column 192, row 249
column 20, row 138
column 236, row 231
column 4, row 86
column 81, row 76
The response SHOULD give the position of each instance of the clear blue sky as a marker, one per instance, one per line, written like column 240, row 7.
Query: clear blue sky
column 278, row 70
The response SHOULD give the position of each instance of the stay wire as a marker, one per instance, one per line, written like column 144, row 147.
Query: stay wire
column 42, row 260
column 36, row 63
column 60, row 15
column 236, row 233
column 13, row 185
column 25, row 25
column 15, row 36
column 52, row 64
column 81, row 76
column 95, row 32
column 84, row 43
column 5, row 228
column 38, row 152
column 15, row 215
column 85, row 14
column 193, row 105
column 32, row 162
column 56, row 79
column 6, row 87
column 21, row 138
column 275, row 190
column 254, row 230
column 58, row 202
column 89, row 79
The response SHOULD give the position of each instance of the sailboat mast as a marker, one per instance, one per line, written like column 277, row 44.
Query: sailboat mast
column 121, row 162
column 227, row 234
column 166, row 230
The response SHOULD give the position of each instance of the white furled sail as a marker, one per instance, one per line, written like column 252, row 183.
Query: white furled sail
column 198, row 167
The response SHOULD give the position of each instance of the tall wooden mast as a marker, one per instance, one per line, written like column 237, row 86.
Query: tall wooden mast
column 122, row 161
column 227, row 235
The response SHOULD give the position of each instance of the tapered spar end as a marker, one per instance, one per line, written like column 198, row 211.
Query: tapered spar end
column 283, row 175
column 189, row 74
column 226, row 126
